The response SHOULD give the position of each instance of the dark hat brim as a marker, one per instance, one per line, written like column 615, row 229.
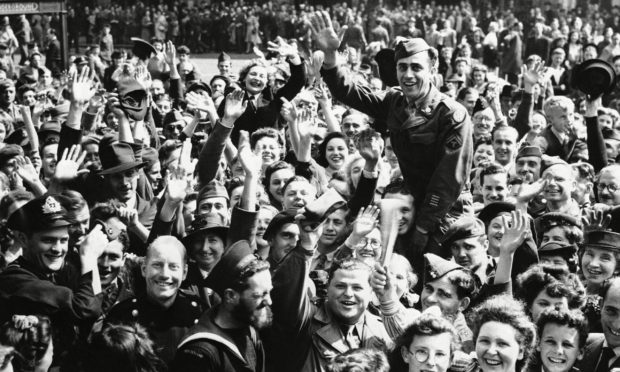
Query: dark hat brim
column 488, row 213
column 221, row 231
column 122, row 168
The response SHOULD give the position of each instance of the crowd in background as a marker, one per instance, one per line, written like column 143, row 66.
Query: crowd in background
column 418, row 188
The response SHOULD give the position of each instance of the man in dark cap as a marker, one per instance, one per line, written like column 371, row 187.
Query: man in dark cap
column 430, row 133
column 467, row 240
column 162, row 309
column 213, row 198
column 226, row 337
column 174, row 123
column 527, row 163
column 41, row 281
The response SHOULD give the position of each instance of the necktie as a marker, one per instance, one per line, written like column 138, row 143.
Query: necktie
column 351, row 338
column 252, row 103
column 320, row 262
column 606, row 355
column 110, row 296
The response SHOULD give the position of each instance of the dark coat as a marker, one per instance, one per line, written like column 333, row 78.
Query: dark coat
column 433, row 142
column 592, row 353
column 207, row 348
column 165, row 326
column 68, row 300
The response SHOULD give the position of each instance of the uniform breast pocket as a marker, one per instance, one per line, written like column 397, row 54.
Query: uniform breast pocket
column 418, row 138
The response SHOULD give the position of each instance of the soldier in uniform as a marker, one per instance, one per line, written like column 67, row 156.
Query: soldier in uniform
column 41, row 282
column 430, row 133
column 162, row 309
column 225, row 338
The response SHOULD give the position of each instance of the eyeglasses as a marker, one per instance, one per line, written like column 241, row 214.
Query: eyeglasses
column 611, row 187
column 423, row 355
column 374, row 244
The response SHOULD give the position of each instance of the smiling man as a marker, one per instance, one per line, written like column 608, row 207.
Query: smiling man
column 225, row 338
column 41, row 281
column 162, row 309
column 430, row 133
column 309, row 335
column 558, row 191
column 597, row 357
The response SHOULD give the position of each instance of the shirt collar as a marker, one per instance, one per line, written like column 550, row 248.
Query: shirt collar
column 616, row 349
column 428, row 101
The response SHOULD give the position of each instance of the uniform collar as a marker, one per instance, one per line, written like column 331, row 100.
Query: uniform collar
column 427, row 103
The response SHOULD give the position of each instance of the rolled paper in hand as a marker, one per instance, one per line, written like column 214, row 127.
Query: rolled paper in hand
column 389, row 227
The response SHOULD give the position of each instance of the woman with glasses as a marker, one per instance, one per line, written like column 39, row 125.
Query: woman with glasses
column 427, row 345
column 504, row 335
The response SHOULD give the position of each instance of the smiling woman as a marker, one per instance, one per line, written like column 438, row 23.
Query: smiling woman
column 504, row 335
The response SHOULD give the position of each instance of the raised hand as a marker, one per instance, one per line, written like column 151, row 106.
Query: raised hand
column 93, row 243
column 288, row 110
column 235, row 105
column 306, row 124
column 596, row 219
column 315, row 64
column 170, row 53
column 143, row 76
column 250, row 162
column 176, row 189
column 516, row 230
column 366, row 221
column 259, row 53
column 534, row 75
column 324, row 34
column 82, row 86
column 283, row 48
column 70, row 161
column 370, row 145
column 199, row 101
column 530, row 191
column 320, row 93
column 25, row 169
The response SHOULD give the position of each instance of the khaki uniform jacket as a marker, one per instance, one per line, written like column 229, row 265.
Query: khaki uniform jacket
column 305, row 337
column 432, row 140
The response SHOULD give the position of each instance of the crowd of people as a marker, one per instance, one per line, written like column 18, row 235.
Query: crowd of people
column 380, row 189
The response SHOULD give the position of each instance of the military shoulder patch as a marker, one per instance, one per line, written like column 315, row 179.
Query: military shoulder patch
column 454, row 141
column 459, row 115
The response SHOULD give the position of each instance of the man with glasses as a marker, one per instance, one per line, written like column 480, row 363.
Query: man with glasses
column 173, row 125
column 608, row 186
